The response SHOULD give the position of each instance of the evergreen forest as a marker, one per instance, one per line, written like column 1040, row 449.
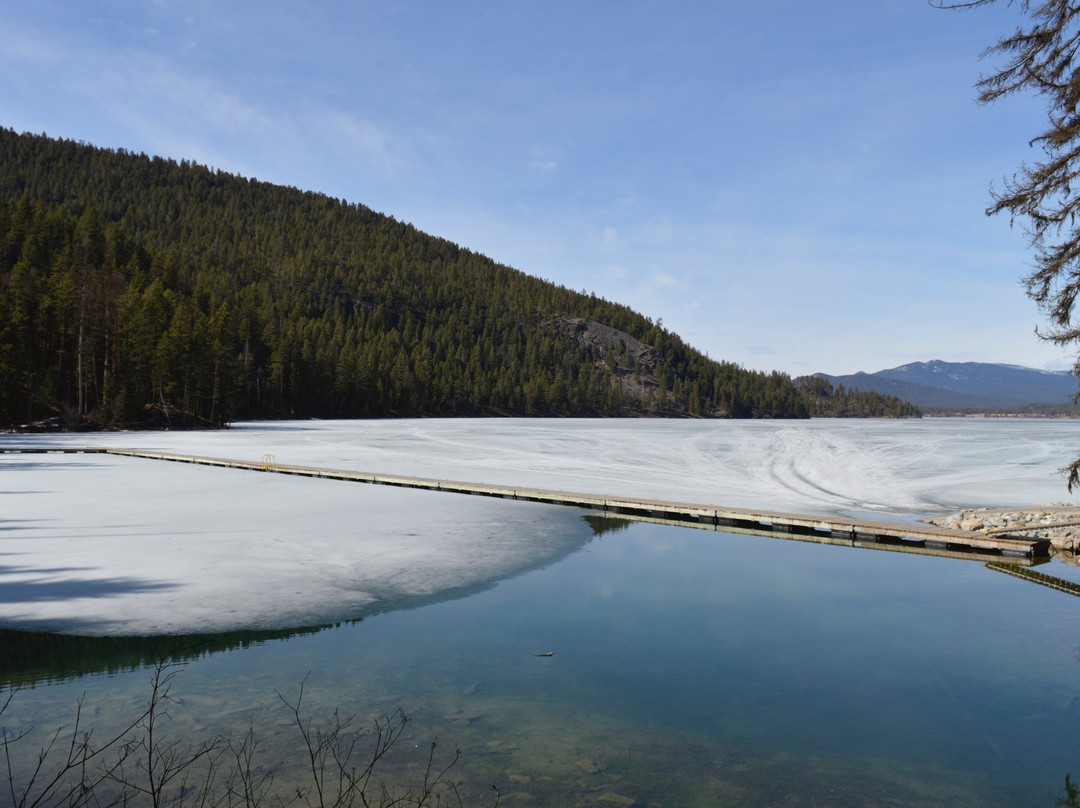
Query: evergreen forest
column 142, row 291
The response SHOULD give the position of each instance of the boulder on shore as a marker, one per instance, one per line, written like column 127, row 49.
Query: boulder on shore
column 1058, row 522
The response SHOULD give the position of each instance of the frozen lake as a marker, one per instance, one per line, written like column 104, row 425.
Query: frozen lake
column 688, row 667
column 114, row 546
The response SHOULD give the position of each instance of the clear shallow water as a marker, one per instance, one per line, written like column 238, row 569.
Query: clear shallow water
column 688, row 667
column 691, row 668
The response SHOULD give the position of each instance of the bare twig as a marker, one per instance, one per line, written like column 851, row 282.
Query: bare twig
column 141, row 763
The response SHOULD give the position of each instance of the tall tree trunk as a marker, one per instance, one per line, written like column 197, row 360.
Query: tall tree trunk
column 80, row 386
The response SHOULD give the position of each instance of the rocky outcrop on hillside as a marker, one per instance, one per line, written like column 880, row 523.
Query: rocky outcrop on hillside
column 634, row 364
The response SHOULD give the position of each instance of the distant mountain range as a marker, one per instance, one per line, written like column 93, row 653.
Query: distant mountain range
column 940, row 385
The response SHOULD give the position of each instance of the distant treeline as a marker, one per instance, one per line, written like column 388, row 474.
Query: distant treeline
column 1019, row 411
column 131, row 284
column 844, row 402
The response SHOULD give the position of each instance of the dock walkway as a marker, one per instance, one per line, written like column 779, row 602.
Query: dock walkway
column 918, row 538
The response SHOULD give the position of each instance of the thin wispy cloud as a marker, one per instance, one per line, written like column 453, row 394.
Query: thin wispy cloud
column 820, row 168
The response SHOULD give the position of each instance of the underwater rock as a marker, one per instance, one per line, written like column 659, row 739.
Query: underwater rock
column 590, row 766
column 609, row 800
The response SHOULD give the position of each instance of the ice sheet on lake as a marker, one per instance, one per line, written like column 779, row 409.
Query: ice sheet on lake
column 101, row 545
column 104, row 545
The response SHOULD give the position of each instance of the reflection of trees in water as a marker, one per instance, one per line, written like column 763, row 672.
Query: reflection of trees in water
column 38, row 657
column 607, row 524
column 30, row 658
column 1070, row 798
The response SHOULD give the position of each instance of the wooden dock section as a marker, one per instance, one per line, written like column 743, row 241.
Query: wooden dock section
column 917, row 538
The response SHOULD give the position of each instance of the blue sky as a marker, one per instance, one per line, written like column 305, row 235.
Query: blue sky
column 788, row 185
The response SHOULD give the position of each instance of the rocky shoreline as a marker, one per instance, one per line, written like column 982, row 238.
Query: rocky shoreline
column 1058, row 522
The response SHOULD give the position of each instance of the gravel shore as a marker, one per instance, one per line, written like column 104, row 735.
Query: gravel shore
column 1059, row 522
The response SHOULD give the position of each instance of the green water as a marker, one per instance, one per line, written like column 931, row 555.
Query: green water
column 687, row 668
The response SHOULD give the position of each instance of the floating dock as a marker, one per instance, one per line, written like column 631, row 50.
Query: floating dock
column 854, row 532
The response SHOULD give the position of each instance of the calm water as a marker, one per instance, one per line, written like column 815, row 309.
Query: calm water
column 688, row 668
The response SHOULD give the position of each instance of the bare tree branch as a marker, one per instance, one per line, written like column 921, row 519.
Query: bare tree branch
column 1041, row 57
column 141, row 764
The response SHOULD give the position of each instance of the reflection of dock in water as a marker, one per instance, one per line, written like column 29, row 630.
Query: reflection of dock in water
column 899, row 539
column 853, row 532
column 1035, row 577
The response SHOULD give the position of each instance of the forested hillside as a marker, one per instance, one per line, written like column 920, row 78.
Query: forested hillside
column 131, row 285
column 844, row 402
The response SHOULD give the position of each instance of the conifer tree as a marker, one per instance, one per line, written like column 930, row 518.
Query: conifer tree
column 1040, row 57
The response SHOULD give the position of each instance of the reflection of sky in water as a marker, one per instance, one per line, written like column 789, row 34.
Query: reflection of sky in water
column 692, row 664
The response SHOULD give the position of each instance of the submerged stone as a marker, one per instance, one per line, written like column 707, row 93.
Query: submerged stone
column 610, row 800
column 590, row 766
